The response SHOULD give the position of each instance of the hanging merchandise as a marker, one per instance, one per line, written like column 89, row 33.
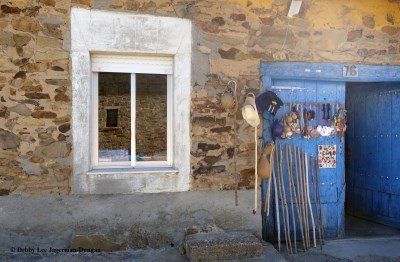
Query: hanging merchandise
column 286, row 122
column 333, row 118
column 277, row 129
column 313, row 131
column 325, row 130
column 309, row 200
column 276, row 201
column 228, row 97
column 249, row 111
column 295, row 125
column 284, row 206
column 268, row 103
column 271, row 167
column 264, row 165
column 317, row 202
column 327, row 156
column 289, row 164
column 293, row 189
column 250, row 114
column 306, row 119
column 311, row 120
column 341, row 122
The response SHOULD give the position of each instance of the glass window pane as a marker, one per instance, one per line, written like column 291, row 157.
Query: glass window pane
column 114, row 117
column 151, row 117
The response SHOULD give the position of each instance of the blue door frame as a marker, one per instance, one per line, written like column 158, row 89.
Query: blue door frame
column 324, row 82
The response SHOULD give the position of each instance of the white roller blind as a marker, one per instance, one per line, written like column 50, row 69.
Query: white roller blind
column 132, row 64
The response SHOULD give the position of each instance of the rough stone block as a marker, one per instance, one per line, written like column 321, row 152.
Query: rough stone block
column 96, row 242
column 223, row 245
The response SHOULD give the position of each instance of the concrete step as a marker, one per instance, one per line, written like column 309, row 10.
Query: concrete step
column 222, row 245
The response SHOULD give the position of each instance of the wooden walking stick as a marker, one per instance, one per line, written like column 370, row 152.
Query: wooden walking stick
column 268, row 196
column 309, row 202
column 302, row 196
column 281, row 196
column 296, row 192
column 289, row 165
column 285, row 201
column 256, row 172
column 286, row 209
column 276, row 203
column 313, row 179
column 305, row 199
column 299, row 210
column 319, row 201
column 305, row 184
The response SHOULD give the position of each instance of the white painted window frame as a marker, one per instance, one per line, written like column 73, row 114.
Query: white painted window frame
column 100, row 32
column 131, row 65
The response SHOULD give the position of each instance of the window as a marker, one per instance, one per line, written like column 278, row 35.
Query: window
column 112, row 118
column 147, row 45
column 131, row 111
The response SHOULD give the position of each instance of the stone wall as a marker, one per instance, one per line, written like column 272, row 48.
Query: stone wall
column 230, row 39
column 151, row 115
column 114, row 92
column 35, row 94
column 151, row 133
column 115, row 137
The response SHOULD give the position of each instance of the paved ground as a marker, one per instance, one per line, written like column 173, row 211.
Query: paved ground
column 357, row 250
column 170, row 254
column 166, row 254
column 361, row 228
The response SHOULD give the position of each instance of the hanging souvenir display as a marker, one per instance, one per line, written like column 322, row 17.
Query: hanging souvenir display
column 264, row 164
column 312, row 120
column 314, row 125
column 327, row 156
column 250, row 114
column 288, row 126
column 228, row 97
column 277, row 130
column 268, row 103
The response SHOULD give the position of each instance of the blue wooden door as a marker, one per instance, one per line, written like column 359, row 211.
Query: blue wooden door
column 332, row 183
column 373, row 152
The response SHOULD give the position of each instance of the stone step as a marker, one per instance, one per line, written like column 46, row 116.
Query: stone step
column 222, row 245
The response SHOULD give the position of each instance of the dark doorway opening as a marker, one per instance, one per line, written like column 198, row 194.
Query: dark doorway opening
column 372, row 160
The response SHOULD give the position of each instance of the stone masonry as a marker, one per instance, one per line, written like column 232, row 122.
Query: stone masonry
column 230, row 39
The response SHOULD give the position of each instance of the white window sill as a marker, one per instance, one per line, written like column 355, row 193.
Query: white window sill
column 131, row 171
column 128, row 180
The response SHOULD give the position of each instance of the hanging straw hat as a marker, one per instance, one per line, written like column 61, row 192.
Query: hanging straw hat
column 250, row 114
column 249, row 111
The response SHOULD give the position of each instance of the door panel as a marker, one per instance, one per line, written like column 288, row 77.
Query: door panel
column 331, row 180
column 373, row 172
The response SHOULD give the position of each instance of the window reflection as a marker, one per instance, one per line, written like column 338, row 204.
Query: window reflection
column 114, row 117
column 151, row 117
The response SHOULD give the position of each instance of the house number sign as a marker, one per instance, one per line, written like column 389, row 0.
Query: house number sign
column 350, row 71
